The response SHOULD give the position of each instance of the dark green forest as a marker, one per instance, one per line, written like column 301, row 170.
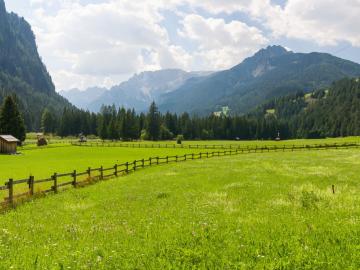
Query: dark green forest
column 328, row 112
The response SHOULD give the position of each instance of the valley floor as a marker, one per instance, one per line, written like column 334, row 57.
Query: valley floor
column 256, row 211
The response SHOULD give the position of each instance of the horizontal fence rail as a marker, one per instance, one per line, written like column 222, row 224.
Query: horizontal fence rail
column 218, row 146
column 57, row 181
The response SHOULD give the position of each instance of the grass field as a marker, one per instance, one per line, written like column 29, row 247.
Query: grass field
column 44, row 162
column 256, row 211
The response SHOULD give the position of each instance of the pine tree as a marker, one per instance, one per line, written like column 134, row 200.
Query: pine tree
column 47, row 122
column 112, row 130
column 153, row 123
column 11, row 121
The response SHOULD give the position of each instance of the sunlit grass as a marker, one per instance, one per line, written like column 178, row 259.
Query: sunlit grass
column 258, row 211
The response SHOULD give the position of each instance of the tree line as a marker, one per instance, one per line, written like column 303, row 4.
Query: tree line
column 329, row 112
column 125, row 124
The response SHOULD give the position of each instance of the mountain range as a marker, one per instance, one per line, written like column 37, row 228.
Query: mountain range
column 83, row 99
column 138, row 92
column 272, row 72
column 22, row 71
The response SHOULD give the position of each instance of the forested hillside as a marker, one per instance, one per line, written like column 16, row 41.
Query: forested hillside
column 329, row 112
column 22, row 72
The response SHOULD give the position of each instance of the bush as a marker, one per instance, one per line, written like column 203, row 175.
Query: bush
column 144, row 135
column 41, row 142
column 179, row 139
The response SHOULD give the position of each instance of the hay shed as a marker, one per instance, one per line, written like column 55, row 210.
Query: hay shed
column 8, row 144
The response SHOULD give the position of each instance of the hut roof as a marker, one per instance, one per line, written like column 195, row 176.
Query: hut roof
column 9, row 138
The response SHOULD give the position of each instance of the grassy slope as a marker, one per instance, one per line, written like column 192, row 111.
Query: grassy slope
column 257, row 211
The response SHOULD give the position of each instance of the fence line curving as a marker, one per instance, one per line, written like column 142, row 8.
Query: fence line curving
column 31, row 187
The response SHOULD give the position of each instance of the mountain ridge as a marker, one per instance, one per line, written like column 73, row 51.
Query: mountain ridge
column 270, row 72
column 82, row 98
column 141, row 89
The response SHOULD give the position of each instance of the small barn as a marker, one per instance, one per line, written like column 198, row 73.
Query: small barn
column 8, row 144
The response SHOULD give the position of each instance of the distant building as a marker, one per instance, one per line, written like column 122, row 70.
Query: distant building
column 225, row 112
column 8, row 144
column 278, row 137
column 82, row 138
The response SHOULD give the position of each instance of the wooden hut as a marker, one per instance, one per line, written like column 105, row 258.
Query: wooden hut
column 8, row 144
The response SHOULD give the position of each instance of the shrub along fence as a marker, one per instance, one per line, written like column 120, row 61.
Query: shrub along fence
column 18, row 190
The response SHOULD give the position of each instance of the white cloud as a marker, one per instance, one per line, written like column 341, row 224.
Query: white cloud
column 219, row 44
column 87, row 44
column 326, row 22
column 218, row 6
column 100, row 43
column 101, row 40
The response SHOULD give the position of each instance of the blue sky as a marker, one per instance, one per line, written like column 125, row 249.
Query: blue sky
column 103, row 42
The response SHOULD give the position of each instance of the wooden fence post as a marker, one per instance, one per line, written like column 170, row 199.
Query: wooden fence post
column 31, row 185
column 143, row 163
column 167, row 159
column 127, row 168
column 89, row 173
column 157, row 160
column 176, row 158
column 10, row 185
column 134, row 165
column 150, row 159
column 101, row 173
column 74, row 179
column 55, row 187
column 200, row 155
column 116, row 170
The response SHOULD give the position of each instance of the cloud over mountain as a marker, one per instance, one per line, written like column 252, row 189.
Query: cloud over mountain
column 103, row 42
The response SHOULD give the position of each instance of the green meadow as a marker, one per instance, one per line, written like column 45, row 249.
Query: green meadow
column 44, row 162
column 64, row 158
column 271, row 210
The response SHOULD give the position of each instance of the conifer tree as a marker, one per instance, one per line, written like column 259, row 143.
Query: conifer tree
column 11, row 121
column 153, row 123
column 47, row 122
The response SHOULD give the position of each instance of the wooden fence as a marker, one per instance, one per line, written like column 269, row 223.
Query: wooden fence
column 219, row 146
column 57, row 181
